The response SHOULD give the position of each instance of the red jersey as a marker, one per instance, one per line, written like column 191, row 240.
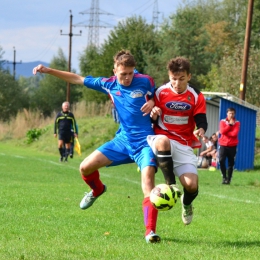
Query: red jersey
column 178, row 110
column 229, row 133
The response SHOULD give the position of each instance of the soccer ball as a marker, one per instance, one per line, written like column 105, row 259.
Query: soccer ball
column 163, row 197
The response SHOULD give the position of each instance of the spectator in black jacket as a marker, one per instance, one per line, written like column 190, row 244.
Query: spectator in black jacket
column 64, row 123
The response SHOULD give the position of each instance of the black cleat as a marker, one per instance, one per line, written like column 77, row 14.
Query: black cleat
column 225, row 181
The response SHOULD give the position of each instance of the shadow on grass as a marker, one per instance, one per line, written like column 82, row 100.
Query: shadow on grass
column 242, row 244
column 233, row 244
column 257, row 167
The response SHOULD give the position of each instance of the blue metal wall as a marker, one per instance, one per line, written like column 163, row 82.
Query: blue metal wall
column 246, row 147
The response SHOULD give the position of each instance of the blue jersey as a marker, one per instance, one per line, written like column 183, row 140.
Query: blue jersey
column 128, row 102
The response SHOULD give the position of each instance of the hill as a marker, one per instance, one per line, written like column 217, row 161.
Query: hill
column 23, row 69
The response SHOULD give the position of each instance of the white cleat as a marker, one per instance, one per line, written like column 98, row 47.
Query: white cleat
column 187, row 212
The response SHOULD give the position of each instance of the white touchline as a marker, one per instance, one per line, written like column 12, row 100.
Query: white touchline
column 229, row 198
column 138, row 183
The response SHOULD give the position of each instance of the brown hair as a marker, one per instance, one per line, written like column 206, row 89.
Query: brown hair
column 231, row 109
column 124, row 58
column 179, row 64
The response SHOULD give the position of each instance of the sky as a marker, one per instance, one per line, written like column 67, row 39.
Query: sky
column 33, row 27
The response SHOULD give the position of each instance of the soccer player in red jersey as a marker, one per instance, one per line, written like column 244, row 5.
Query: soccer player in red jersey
column 179, row 110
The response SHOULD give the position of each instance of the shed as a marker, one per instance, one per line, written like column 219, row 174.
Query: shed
column 217, row 104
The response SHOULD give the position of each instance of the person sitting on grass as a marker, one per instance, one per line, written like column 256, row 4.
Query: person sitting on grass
column 209, row 147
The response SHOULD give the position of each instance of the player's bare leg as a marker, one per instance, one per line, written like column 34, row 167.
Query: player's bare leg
column 189, row 182
column 90, row 174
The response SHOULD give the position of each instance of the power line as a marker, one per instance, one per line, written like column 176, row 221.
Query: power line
column 155, row 15
column 94, row 23
column 51, row 43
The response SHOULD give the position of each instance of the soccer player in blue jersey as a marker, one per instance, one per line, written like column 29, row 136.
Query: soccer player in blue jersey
column 130, row 93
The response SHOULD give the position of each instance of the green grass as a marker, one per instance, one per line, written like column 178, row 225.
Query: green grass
column 41, row 219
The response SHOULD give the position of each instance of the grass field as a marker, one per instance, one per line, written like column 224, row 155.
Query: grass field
column 41, row 219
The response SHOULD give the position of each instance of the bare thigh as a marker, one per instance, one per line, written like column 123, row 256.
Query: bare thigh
column 93, row 162
column 61, row 143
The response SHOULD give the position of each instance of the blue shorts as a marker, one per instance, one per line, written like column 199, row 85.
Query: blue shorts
column 120, row 151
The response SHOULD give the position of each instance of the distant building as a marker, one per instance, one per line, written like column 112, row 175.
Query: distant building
column 246, row 113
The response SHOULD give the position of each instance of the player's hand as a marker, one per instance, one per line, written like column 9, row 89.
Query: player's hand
column 40, row 68
column 199, row 132
column 55, row 135
column 147, row 107
column 156, row 111
column 232, row 121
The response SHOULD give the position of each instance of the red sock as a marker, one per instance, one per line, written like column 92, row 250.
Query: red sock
column 150, row 216
column 94, row 183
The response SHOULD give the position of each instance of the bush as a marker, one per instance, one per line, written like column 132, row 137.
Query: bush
column 34, row 134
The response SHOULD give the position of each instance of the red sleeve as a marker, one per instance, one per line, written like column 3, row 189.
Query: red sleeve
column 200, row 107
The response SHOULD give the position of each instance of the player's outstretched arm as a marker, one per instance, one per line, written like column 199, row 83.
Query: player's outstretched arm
column 65, row 75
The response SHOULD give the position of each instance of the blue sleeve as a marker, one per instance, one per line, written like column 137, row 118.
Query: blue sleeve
column 152, row 92
column 95, row 83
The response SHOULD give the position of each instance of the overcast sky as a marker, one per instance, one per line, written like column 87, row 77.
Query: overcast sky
column 33, row 26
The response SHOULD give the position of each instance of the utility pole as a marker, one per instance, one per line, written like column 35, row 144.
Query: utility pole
column 14, row 63
column 246, row 49
column 70, row 47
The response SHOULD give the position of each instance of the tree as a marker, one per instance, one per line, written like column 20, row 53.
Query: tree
column 226, row 38
column 30, row 86
column 133, row 34
column 52, row 91
column 12, row 96
column 90, row 63
column 183, row 34
column 226, row 77
column 1, row 56
column 255, row 39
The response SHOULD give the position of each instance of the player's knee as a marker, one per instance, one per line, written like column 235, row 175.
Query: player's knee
column 83, row 169
column 163, row 143
column 191, row 187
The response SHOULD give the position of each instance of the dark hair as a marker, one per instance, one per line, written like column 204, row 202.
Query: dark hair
column 124, row 58
column 231, row 109
column 179, row 64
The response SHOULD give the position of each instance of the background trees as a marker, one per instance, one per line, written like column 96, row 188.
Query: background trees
column 12, row 96
column 52, row 91
column 208, row 32
column 133, row 34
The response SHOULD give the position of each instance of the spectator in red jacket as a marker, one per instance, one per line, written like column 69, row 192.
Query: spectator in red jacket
column 228, row 141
